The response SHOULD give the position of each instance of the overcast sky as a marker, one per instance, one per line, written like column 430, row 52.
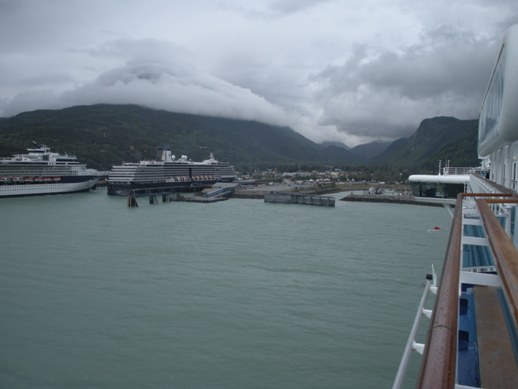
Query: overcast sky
column 347, row 70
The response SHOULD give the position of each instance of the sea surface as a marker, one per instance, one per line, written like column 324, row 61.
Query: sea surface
column 235, row 294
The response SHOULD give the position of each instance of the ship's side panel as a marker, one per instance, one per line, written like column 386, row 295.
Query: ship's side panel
column 31, row 189
column 498, row 123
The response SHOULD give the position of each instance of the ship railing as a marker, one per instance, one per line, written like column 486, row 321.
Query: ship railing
column 438, row 369
column 412, row 345
column 456, row 170
column 479, row 184
column 438, row 366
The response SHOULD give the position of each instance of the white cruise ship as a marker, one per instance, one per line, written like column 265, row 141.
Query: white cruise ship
column 167, row 174
column 41, row 171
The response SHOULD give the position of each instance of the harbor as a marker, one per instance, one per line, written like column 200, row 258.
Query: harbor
column 259, row 195
column 283, row 194
column 234, row 286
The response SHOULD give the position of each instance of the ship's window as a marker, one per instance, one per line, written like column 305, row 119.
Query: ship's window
column 492, row 105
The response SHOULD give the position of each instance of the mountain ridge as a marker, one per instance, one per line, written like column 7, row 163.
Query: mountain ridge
column 103, row 135
column 436, row 139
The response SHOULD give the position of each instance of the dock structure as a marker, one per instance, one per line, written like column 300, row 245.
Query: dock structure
column 295, row 198
column 225, row 191
column 174, row 197
column 373, row 198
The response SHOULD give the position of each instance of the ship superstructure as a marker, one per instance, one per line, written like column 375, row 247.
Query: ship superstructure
column 167, row 174
column 41, row 171
column 472, row 341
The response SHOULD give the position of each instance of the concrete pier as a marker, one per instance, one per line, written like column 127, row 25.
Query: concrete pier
column 305, row 199
column 390, row 199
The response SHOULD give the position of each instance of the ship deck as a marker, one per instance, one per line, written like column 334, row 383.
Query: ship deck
column 497, row 359
column 473, row 337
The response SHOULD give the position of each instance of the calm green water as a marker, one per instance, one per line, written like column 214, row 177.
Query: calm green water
column 236, row 294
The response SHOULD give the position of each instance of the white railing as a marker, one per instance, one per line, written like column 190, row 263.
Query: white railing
column 479, row 185
column 456, row 170
column 412, row 345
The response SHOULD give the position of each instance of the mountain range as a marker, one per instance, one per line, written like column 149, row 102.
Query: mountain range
column 103, row 135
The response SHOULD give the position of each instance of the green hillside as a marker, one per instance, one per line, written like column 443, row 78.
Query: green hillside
column 437, row 139
column 103, row 135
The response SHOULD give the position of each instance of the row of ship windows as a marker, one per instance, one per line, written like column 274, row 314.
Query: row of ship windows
column 166, row 169
column 492, row 105
column 159, row 179
column 40, row 172
column 16, row 188
column 159, row 174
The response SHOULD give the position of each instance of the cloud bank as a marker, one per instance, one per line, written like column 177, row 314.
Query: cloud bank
column 351, row 71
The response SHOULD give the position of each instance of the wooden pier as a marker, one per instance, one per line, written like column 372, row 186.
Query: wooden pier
column 293, row 198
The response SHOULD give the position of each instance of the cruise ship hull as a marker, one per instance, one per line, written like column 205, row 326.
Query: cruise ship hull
column 66, row 185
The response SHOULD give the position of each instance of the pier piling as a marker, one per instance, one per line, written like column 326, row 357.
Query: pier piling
column 132, row 201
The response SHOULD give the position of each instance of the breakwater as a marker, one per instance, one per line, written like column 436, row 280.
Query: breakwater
column 388, row 199
column 305, row 199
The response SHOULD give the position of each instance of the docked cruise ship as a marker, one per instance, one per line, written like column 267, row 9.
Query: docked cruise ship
column 472, row 340
column 167, row 174
column 41, row 171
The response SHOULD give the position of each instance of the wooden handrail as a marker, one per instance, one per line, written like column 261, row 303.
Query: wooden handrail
column 505, row 254
column 514, row 200
column 438, row 367
column 488, row 195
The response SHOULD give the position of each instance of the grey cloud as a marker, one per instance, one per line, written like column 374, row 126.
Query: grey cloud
column 147, row 48
column 332, row 69
column 389, row 92
column 457, row 64
column 292, row 6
